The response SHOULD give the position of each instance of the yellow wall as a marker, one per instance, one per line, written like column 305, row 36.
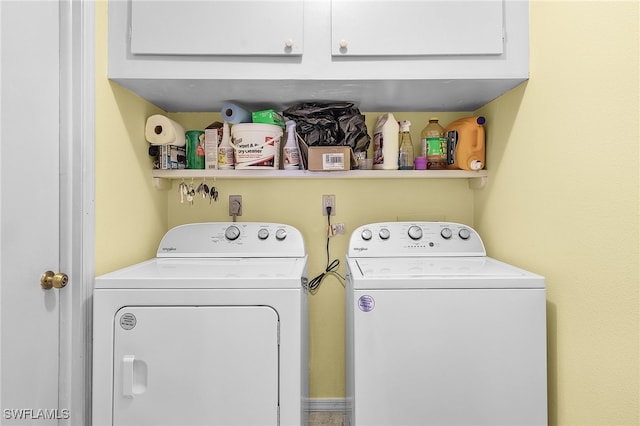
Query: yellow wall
column 130, row 217
column 563, row 159
column 562, row 200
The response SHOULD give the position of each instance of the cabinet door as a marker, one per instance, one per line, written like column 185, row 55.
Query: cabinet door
column 195, row 365
column 407, row 28
column 216, row 27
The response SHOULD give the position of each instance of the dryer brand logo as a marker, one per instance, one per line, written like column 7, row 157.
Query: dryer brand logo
column 361, row 248
column 167, row 249
column 128, row 321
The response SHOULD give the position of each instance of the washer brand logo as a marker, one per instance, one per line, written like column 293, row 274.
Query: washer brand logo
column 169, row 249
column 360, row 248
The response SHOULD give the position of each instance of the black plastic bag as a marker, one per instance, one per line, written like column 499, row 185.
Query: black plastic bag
column 330, row 124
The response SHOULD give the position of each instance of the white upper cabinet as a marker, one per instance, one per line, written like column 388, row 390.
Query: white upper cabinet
column 216, row 27
column 415, row 28
column 382, row 55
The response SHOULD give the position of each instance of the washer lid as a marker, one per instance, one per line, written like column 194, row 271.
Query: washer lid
column 209, row 273
column 439, row 272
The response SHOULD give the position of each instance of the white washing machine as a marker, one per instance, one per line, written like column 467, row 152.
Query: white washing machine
column 213, row 331
column 440, row 334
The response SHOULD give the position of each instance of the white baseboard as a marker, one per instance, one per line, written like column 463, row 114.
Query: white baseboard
column 328, row 404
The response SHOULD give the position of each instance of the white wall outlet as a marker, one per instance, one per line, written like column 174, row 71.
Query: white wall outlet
column 328, row 201
column 235, row 205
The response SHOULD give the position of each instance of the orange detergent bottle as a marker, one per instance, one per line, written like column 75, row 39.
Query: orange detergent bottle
column 465, row 143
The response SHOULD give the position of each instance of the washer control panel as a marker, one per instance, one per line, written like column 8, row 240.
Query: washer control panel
column 400, row 239
column 232, row 239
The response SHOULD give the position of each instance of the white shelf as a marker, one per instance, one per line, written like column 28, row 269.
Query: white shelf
column 162, row 178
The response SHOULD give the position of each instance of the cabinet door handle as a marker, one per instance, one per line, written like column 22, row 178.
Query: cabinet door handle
column 343, row 43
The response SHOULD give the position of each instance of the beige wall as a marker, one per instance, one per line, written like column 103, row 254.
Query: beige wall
column 563, row 159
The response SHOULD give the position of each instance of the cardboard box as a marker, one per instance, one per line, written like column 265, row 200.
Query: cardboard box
column 212, row 137
column 268, row 116
column 330, row 158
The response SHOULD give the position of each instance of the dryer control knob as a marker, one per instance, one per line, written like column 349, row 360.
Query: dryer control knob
column 263, row 234
column 366, row 234
column 232, row 233
column 446, row 233
column 281, row 234
column 415, row 232
column 384, row 234
column 464, row 233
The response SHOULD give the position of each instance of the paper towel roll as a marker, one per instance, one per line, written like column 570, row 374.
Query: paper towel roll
column 235, row 114
column 161, row 130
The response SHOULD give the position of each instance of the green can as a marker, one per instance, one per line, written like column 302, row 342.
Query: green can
column 195, row 149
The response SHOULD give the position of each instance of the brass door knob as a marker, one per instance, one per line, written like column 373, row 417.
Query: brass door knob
column 50, row 279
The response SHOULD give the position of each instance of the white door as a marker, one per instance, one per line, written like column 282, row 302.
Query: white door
column 195, row 365
column 35, row 212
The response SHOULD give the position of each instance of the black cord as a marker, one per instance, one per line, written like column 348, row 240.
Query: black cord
column 331, row 267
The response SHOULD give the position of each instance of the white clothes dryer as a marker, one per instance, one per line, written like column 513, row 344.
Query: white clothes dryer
column 213, row 331
column 440, row 334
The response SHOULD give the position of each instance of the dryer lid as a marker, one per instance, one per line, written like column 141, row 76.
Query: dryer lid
column 208, row 273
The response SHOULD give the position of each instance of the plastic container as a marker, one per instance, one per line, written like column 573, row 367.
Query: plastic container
column 256, row 145
column 420, row 163
column 385, row 143
column 405, row 157
column 225, row 150
column 434, row 145
column 466, row 142
column 195, row 149
column 291, row 152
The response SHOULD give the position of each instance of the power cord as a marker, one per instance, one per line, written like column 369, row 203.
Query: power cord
column 332, row 266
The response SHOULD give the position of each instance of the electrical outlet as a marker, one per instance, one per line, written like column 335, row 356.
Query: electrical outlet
column 338, row 228
column 328, row 201
column 235, row 205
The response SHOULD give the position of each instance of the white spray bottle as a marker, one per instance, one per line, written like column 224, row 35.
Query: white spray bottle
column 291, row 153
column 225, row 150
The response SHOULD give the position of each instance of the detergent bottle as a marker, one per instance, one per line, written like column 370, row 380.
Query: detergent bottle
column 466, row 143
column 385, row 143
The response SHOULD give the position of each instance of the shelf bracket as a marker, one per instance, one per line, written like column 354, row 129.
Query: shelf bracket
column 477, row 182
column 162, row 184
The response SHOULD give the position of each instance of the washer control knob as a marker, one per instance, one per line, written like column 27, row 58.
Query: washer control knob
column 263, row 234
column 464, row 233
column 384, row 234
column 281, row 234
column 446, row 233
column 415, row 232
column 366, row 234
column 232, row 233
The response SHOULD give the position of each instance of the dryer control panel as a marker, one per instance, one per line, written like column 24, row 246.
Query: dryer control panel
column 232, row 239
column 401, row 239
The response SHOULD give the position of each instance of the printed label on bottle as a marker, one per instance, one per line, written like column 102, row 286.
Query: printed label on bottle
column 291, row 156
column 378, row 158
column 436, row 152
column 225, row 157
